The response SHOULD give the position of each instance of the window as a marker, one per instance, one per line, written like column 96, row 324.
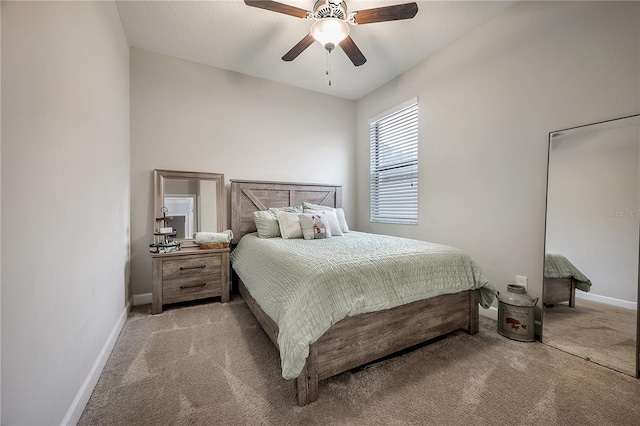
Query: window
column 394, row 165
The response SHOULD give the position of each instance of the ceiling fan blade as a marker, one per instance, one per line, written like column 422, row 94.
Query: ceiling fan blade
column 352, row 51
column 278, row 7
column 387, row 13
column 298, row 48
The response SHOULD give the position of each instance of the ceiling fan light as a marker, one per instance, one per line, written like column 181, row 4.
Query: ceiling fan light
column 329, row 32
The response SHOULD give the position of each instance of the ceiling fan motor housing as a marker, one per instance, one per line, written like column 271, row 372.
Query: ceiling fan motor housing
column 330, row 9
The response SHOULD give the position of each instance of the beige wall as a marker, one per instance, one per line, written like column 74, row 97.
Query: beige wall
column 487, row 103
column 188, row 116
column 65, row 202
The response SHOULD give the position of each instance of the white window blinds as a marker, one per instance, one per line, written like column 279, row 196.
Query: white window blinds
column 394, row 166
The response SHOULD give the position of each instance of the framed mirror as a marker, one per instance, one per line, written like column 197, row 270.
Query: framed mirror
column 195, row 201
column 592, row 243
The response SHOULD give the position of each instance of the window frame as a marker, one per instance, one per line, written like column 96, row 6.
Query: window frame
column 393, row 164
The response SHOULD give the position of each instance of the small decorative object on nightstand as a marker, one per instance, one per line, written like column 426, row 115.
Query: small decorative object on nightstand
column 164, row 237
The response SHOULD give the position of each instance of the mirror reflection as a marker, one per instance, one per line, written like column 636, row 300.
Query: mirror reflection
column 193, row 200
column 592, row 243
column 192, row 204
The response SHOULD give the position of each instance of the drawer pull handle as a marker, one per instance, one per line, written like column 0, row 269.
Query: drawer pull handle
column 182, row 268
column 192, row 285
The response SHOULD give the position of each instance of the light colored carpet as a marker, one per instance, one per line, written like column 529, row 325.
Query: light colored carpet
column 212, row 364
column 603, row 333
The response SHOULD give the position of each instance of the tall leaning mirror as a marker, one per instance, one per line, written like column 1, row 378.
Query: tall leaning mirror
column 194, row 200
column 592, row 235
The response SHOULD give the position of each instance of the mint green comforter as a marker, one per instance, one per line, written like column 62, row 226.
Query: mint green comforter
column 558, row 266
column 306, row 286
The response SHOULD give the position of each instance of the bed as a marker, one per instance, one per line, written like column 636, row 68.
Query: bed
column 561, row 279
column 359, row 335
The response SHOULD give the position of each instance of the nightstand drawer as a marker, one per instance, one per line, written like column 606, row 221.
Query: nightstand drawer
column 196, row 287
column 191, row 267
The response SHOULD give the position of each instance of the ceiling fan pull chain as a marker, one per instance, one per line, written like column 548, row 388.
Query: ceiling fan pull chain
column 326, row 71
column 328, row 65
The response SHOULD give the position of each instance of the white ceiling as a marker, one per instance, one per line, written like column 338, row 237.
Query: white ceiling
column 230, row 35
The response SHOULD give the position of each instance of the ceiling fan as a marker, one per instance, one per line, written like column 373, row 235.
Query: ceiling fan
column 331, row 26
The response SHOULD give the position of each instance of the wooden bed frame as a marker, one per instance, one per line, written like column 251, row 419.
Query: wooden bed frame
column 357, row 340
column 558, row 290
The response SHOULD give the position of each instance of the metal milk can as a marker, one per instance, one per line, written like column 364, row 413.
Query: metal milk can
column 516, row 314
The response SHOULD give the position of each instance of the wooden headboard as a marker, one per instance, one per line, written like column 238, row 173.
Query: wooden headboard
column 248, row 196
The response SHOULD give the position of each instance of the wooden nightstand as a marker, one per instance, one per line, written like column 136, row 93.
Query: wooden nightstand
column 189, row 274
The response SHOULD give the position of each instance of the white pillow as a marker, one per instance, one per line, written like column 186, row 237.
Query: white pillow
column 342, row 219
column 339, row 212
column 332, row 219
column 289, row 225
column 291, row 209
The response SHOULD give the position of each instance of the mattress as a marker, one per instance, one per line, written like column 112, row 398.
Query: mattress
column 306, row 286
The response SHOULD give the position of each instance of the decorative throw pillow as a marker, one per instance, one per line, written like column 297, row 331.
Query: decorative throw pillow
column 314, row 226
column 342, row 219
column 289, row 225
column 266, row 224
column 332, row 220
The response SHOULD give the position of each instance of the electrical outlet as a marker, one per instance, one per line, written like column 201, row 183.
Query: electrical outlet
column 520, row 280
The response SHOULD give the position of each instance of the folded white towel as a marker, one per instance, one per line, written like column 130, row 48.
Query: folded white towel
column 214, row 237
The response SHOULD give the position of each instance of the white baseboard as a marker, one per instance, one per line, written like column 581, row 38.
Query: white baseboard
column 84, row 393
column 492, row 312
column 607, row 300
column 141, row 299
